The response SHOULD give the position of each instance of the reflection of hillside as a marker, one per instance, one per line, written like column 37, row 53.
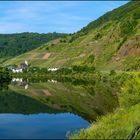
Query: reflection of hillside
column 20, row 81
column 11, row 102
column 87, row 101
column 4, row 84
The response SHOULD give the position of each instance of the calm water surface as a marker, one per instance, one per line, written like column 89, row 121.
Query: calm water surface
column 39, row 125
column 51, row 108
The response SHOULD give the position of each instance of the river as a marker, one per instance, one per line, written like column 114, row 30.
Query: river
column 51, row 108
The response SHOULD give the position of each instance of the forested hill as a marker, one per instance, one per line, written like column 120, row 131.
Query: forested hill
column 129, row 11
column 16, row 44
column 110, row 42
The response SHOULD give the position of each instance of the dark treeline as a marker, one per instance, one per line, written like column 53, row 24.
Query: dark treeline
column 63, row 71
column 16, row 44
column 4, row 74
column 5, row 78
column 72, row 80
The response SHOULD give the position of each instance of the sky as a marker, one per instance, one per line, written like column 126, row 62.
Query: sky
column 51, row 16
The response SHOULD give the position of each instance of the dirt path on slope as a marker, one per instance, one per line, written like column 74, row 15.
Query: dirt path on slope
column 46, row 56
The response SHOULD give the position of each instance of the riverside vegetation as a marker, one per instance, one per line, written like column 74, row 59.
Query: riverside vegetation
column 123, row 123
column 124, row 86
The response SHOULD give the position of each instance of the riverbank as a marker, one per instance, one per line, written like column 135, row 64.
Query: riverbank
column 125, row 119
column 117, row 125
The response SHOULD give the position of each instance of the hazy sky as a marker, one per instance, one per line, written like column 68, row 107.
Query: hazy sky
column 47, row 16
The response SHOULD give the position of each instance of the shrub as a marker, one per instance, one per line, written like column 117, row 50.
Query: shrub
column 91, row 59
column 112, row 72
column 128, row 26
column 130, row 93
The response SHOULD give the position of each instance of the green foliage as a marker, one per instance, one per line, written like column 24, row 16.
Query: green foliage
column 13, row 102
column 121, row 43
column 16, row 44
column 87, row 69
column 112, row 72
column 112, row 126
column 4, row 74
column 61, row 71
column 90, row 59
column 120, row 123
column 5, row 78
column 130, row 93
column 90, row 93
column 127, row 27
column 97, row 36
column 136, row 14
column 115, row 15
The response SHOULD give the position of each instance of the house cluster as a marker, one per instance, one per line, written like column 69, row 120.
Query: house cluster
column 52, row 81
column 53, row 69
column 24, row 66
column 19, row 69
column 21, row 82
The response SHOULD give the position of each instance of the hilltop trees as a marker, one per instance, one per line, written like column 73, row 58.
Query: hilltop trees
column 16, row 44
column 4, row 77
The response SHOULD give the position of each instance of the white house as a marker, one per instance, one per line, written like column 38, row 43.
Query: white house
column 23, row 66
column 17, row 70
column 53, row 69
column 17, row 80
column 52, row 81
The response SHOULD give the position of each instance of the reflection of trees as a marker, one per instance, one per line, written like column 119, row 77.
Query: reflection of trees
column 4, row 85
column 20, row 81
column 12, row 102
column 4, row 78
column 72, row 80
column 87, row 98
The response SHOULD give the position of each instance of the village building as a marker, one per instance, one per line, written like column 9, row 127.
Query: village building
column 22, row 67
column 53, row 69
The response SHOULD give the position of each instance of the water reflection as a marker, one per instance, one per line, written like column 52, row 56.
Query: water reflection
column 84, row 99
column 20, row 81
column 24, row 82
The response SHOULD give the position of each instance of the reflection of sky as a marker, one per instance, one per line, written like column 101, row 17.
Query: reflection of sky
column 40, row 125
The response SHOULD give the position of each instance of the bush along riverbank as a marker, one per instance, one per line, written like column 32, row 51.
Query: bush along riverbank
column 74, row 71
column 124, row 122
column 5, row 74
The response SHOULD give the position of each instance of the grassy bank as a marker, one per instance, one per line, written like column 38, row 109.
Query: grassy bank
column 122, row 122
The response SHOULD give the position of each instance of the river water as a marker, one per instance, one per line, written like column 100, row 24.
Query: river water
column 52, row 108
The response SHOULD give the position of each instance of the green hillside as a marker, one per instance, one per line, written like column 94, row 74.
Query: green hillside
column 110, row 42
column 12, row 45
